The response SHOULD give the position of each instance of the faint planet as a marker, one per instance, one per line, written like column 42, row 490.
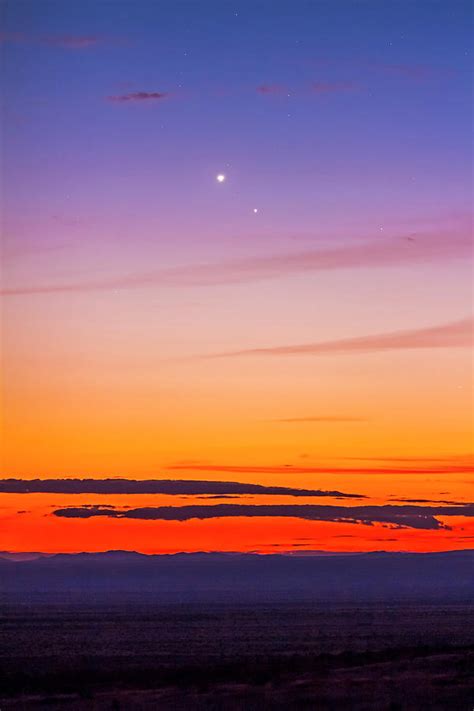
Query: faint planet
column 220, row 178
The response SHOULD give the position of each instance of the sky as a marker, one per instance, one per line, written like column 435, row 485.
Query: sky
column 304, row 322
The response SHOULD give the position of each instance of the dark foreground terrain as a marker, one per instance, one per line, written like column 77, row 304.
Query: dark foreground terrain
column 121, row 630
column 136, row 653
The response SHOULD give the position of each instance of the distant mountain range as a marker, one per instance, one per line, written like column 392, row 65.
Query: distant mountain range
column 215, row 576
column 29, row 555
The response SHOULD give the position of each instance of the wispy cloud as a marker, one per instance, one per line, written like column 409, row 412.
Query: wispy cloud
column 402, row 70
column 325, row 87
column 414, row 72
column 176, row 487
column 320, row 418
column 139, row 96
column 409, row 249
column 266, row 89
column 316, row 87
column 446, row 502
column 61, row 41
column 73, row 42
column 454, row 465
column 465, row 458
column 419, row 517
column 456, row 334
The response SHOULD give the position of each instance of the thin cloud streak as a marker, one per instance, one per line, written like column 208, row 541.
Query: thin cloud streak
column 415, row 72
column 60, row 41
column 410, row 249
column 266, row 89
column 316, row 87
column 456, row 334
column 411, row 72
column 139, row 96
column 324, row 87
column 327, row 418
column 459, row 458
column 73, row 42
column 446, row 502
column 415, row 466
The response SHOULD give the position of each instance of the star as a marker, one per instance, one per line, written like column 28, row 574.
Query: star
column 220, row 178
column 255, row 209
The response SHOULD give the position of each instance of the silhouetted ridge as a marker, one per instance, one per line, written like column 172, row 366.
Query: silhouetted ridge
column 377, row 575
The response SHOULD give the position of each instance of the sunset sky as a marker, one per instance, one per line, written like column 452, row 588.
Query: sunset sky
column 304, row 323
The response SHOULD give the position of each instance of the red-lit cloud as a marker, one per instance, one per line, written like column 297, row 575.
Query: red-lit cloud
column 408, row 249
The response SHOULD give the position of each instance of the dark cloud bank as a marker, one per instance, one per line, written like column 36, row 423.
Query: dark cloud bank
column 155, row 486
column 406, row 516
